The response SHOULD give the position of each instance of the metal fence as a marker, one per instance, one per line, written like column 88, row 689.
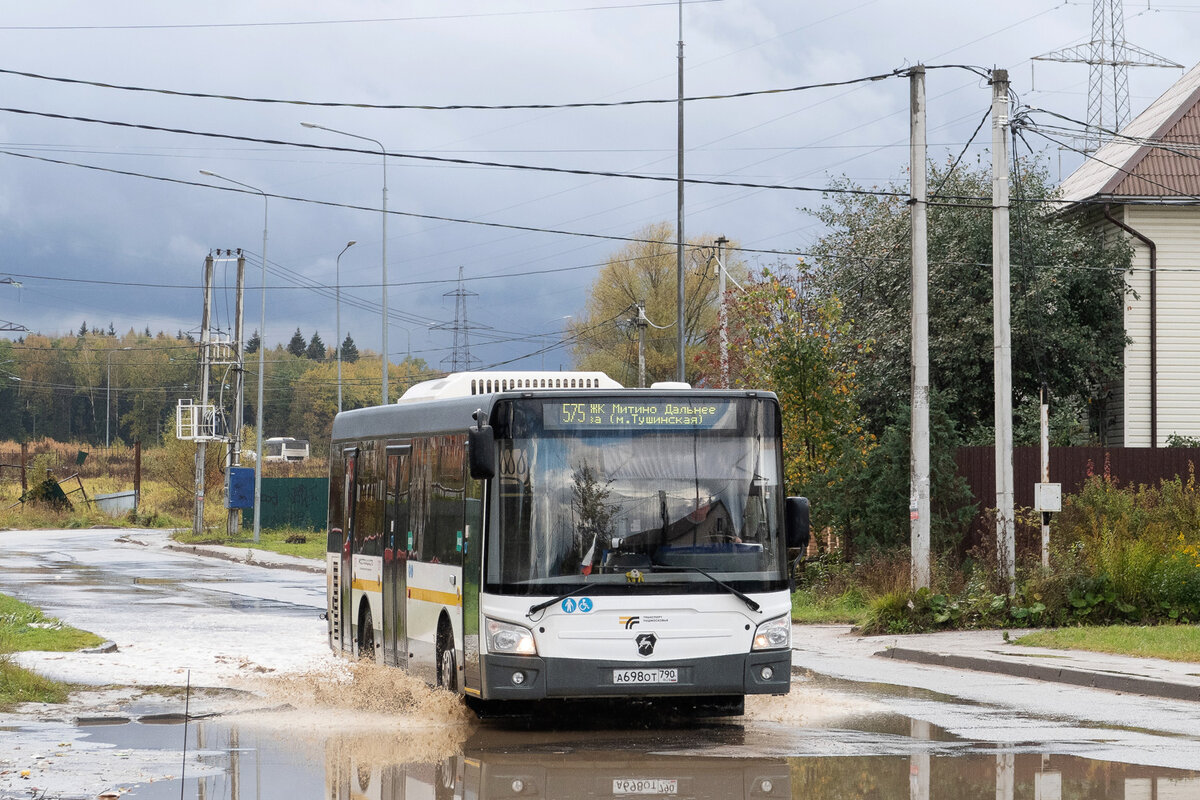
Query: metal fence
column 1071, row 466
column 292, row 503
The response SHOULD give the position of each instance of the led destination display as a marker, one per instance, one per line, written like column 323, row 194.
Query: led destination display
column 640, row 414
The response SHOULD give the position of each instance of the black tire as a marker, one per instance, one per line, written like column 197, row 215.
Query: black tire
column 366, row 636
column 447, row 661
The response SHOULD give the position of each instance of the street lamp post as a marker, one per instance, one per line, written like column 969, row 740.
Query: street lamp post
column 108, row 395
column 338, row 336
column 384, row 298
column 262, row 341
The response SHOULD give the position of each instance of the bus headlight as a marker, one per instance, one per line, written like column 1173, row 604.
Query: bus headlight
column 773, row 634
column 504, row 637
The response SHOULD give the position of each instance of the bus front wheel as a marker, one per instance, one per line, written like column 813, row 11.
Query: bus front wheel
column 447, row 661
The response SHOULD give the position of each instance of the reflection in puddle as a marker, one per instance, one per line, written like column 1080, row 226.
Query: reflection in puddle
column 249, row 762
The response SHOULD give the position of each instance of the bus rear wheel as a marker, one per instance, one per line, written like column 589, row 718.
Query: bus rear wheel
column 447, row 662
column 366, row 636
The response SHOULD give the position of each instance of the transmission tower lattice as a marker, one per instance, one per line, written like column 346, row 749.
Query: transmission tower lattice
column 460, row 358
column 1109, row 58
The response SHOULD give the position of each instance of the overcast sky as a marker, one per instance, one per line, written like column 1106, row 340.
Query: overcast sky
column 64, row 227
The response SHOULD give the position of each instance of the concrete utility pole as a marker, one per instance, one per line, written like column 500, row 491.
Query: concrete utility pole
column 641, row 323
column 722, row 325
column 201, row 443
column 1006, row 551
column 679, row 215
column 233, row 522
column 919, row 458
column 1045, row 442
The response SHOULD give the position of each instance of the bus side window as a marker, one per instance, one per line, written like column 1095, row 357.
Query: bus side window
column 369, row 506
column 337, row 477
column 446, row 501
column 417, row 545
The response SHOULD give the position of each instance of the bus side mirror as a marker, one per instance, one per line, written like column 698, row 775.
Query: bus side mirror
column 796, row 522
column 481, row 452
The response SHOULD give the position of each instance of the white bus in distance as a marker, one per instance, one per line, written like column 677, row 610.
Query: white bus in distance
column 285, row 448
column 531, row 536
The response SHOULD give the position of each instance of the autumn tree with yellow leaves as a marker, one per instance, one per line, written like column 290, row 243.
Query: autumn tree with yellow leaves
column 645, row 270
column 783, row 340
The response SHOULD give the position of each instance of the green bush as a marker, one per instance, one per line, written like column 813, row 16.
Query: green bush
column 1118, row 554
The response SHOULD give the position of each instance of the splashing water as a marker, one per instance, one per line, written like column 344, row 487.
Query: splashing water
column 380, row 713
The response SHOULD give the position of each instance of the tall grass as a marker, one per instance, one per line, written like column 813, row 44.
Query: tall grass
column 1119, row 554
column 23, row 627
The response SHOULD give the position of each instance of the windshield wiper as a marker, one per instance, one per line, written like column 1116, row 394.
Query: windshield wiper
column 750, row 604
column 536, row 607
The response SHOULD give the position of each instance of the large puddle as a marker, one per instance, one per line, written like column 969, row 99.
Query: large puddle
column 488, row 762
column 359, row 732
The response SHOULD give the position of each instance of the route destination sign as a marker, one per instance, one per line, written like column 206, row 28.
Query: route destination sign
column 611, row 415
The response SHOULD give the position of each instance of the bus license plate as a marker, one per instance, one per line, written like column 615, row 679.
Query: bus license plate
column 627, row 786
column 654, row 675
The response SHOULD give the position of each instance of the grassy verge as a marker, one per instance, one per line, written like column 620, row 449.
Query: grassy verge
column 848, row 607
column 1171, row 642
column 275, row 540
column 23, row 627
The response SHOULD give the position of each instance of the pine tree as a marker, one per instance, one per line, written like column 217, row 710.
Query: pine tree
column 349, row 350
column 112, row 331
column 147, row 333
column 316, row 348
column 253, row 343
column 82, row 329
column 296, row 346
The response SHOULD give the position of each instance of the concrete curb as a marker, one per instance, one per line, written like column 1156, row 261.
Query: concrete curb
column 1116, row 682
column 247, row 556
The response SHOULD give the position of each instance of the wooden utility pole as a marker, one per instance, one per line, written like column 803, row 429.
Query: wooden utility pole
column 919, row 456
column 1002, row 333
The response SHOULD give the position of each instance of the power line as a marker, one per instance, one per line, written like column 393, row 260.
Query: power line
column 415, row 157
column 457, row 106
column 370, row 21
column 409, row 214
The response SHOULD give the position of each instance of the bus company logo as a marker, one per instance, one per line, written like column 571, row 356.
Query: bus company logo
column 568, row 605
column 645, row 643
column 629, row 622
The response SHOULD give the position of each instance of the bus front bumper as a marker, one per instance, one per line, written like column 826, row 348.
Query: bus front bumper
column 535, row 678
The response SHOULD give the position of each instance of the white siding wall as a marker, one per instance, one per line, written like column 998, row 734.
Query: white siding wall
column 1176, row 232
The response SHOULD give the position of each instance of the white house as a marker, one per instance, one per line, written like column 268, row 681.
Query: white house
column 1144, row 185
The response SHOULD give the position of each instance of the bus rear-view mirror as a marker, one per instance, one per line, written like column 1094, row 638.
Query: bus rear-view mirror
column 796, row 522
column 481, row 452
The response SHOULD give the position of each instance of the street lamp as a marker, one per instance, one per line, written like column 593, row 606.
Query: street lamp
column 262, row 340
column 337, row 341
column 384, row 299
column 108, row 395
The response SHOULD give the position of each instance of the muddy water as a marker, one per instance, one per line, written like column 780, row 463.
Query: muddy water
column 488, row 762
column 360, row 732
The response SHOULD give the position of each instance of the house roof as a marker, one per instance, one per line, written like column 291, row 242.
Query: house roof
column 1133, row 167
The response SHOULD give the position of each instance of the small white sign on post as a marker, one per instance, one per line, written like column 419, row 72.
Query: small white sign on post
column 1047, row 497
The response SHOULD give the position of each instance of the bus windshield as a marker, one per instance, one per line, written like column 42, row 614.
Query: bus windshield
column 671, row 491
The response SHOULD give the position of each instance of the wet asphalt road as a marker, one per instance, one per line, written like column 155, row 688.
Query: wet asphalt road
column 853, row 727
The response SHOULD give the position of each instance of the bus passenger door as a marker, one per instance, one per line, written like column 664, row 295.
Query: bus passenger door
column 395, row 555
column 348, row 525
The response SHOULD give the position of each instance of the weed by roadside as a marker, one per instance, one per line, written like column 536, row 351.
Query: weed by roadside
column 23, row 627
column 1118, row 555
column 1171, row 642
column 288, row 541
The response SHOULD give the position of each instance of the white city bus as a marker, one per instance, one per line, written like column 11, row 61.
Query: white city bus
column 526, row 536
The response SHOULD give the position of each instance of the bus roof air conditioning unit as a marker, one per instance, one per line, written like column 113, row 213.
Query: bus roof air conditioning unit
column 465, row 384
